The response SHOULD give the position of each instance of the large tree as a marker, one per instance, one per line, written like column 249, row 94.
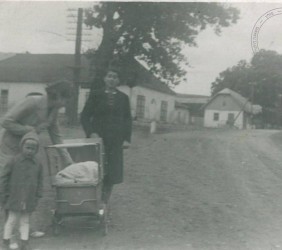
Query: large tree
column 152, row 32
column 264, row 75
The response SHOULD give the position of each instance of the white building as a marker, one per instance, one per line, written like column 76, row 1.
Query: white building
column 22, row 74
column 150, row 99
column 229, row 108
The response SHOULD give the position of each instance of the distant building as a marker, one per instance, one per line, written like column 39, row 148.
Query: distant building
column 193, row 104
column 228, row 108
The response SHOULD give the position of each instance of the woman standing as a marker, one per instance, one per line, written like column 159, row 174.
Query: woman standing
column 107, row 114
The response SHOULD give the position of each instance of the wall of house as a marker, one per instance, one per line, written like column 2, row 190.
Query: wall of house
column 223, row 102
column 18, row 91
column 223, row 117
column 152, row 109
column 153, row 101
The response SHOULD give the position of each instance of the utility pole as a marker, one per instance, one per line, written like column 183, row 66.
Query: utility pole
column 72, row 107
column 82, row 36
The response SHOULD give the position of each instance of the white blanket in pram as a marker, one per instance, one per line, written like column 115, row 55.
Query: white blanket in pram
column 82, row 172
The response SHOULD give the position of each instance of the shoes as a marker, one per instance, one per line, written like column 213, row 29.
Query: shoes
column 14, row 246
column 37, row 234
column 9, row 245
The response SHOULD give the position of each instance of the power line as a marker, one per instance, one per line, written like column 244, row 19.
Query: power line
column 71, row 36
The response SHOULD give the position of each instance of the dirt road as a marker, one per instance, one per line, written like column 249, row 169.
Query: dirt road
column 194, row 190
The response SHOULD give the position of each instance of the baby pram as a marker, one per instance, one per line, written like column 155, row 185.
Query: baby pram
column 78, row 199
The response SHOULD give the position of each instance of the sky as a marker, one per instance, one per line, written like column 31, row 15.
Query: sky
column 44, row 27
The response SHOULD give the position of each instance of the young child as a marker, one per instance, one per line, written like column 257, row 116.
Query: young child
column 20, row 189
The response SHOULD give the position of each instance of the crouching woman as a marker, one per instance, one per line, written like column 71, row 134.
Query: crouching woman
column 35, row 113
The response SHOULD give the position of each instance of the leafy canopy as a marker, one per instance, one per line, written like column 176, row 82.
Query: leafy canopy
column 153, row 32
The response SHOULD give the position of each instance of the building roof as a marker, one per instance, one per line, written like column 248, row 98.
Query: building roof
column 40, row 68
column 146, row 79
column 191, row 96
column 50, row 67
column 195, row 109
column 243, row 103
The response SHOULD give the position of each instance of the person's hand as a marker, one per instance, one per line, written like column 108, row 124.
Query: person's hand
column 126, row 145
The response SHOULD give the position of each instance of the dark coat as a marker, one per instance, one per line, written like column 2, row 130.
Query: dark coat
column 21, row 184
column 113, row 124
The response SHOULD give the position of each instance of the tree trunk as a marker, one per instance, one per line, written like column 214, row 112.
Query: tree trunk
column 104, row 54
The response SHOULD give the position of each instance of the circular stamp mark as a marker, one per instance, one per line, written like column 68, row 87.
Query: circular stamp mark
column 258, row 25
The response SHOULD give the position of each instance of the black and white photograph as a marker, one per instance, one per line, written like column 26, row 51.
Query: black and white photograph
column 140, row 125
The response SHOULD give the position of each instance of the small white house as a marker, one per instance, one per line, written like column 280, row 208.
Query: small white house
column 228, row 108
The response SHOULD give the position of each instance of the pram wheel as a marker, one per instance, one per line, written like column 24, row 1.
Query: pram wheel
column 104, row 219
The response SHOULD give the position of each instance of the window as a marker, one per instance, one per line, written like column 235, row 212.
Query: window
column 4, row 100
column 163, row 114
column 215, row 116
column 140, row 107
